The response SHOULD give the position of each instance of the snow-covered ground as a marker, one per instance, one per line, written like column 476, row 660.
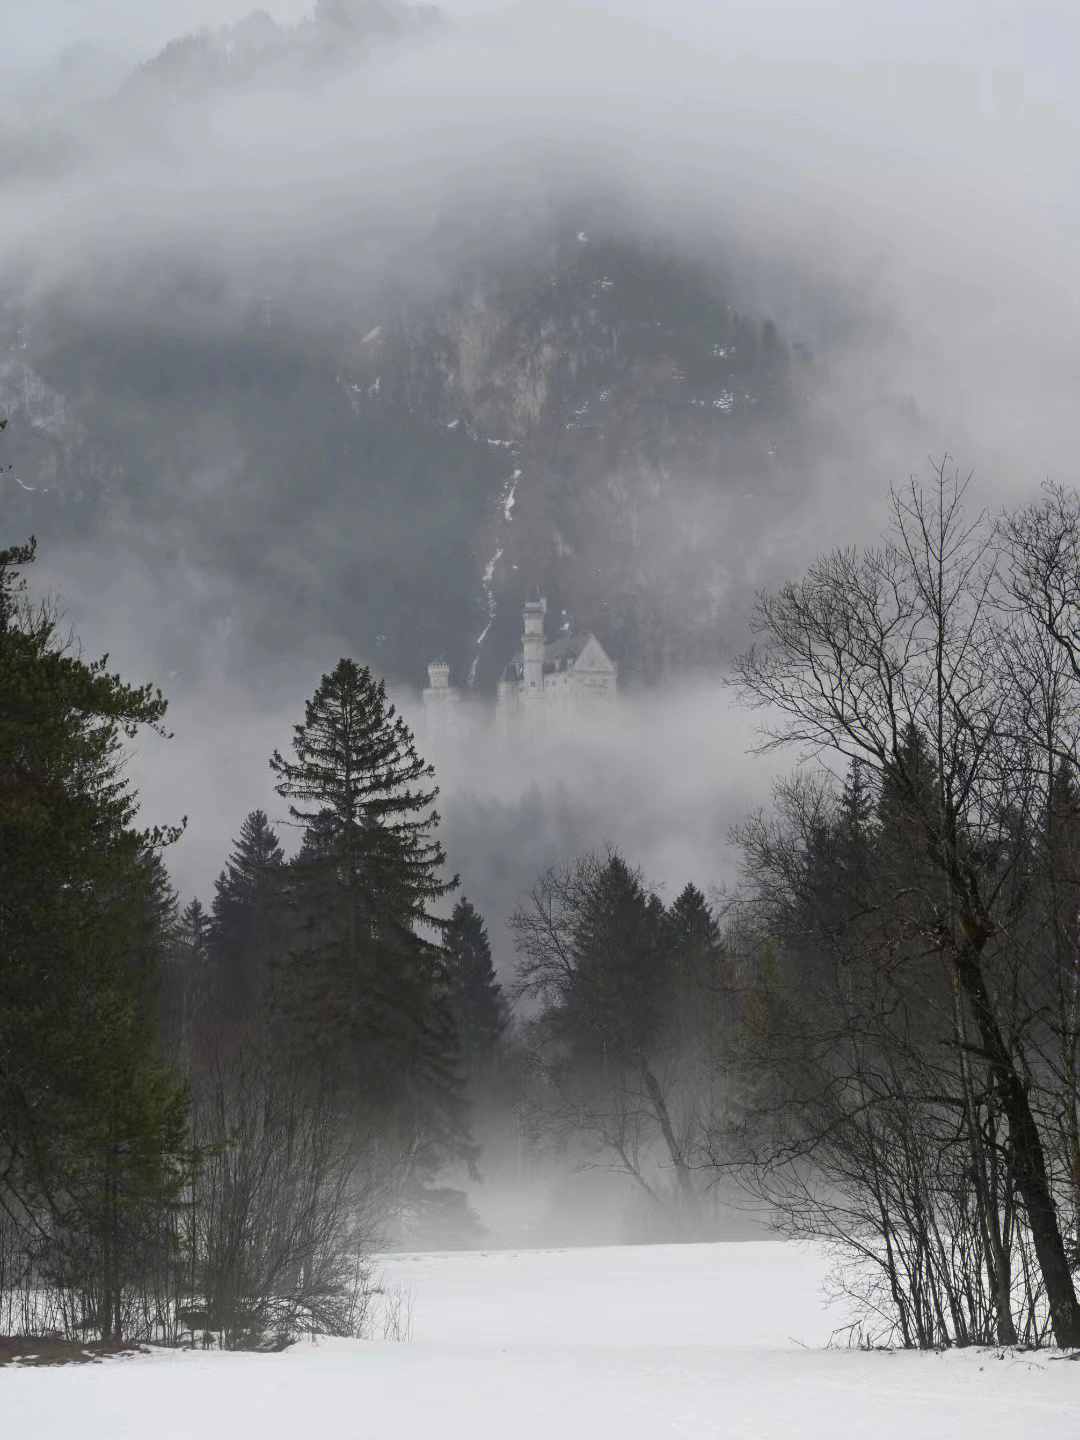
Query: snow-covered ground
column 644, row 1343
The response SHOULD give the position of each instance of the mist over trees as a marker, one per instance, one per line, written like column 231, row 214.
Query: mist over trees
column 212, row 1118
column 912, row 926
column 336, row 338
column 875, row 1033
column 93, row 1126
column 631, row 996
column 278, row 413
column 206, row 1119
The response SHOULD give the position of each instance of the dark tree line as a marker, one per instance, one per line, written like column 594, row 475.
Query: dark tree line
column 881, row 1040
column 94, row 1149
column 635, row 1006
column 334, row 1018
column 913, row 931
column 206, row 1117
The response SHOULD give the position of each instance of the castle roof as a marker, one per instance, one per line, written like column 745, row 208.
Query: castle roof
column 557, row 655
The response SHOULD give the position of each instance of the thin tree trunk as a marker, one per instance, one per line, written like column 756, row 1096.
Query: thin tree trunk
column 996, row 1261
column 663, row 1119
column 1031, row 1177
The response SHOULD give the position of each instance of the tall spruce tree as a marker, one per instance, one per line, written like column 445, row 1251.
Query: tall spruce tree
column 194, row 930
column 694, row 940
column 621, row 993
column 476, row 998
column 696, row 999
column 242, row 934
column 366, row 964
column 92, row 1126
column 692, row 922
column 183, row 998
column 620, row 965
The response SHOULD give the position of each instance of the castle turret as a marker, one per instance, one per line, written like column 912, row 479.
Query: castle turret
column 440, row 698
column 532, row 649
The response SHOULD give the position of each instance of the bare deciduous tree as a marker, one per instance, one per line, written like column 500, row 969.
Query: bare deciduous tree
column 915, row 638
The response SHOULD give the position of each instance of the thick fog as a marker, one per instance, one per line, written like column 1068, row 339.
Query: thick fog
column 892, row 192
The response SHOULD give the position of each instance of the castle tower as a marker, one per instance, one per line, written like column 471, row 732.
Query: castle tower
column 440, row 699
column 532, row 648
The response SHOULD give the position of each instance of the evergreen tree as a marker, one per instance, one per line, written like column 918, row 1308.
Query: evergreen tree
column 697, row 954
column 624, row 974
column 1053, row 971
column 692, row 922
column 194, row 930
column 908, row 801
column 92, row 1127
column 696, row 1001
column 855, row 832
column 476, row 998
column 363, row 891
column 183, row 992
column 601, row 952
column 241, row 936
column 908, row 888
column 619, row 965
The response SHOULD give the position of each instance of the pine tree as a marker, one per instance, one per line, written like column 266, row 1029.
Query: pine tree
column 363, row 891
column 694, row 938
column 92, row 1126
column 623, row 984
column 620, row 965
column 476, row 998
column 241, row 936
column 183, row 991
column 692, row 922
column 908, row 802
column 1054, row 973
column 194, row 930
column 696, row 997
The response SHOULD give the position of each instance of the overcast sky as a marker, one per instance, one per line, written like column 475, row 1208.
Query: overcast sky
column 987, row 35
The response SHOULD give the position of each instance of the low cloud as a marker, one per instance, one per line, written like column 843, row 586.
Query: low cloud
column 662, row 778
column 905, row 218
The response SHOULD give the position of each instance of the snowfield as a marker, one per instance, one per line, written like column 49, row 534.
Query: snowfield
column 631, row 1343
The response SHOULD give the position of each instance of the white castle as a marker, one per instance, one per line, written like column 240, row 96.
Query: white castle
column 546, row 680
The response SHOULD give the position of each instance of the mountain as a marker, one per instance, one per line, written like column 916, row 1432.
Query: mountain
column 557, row 401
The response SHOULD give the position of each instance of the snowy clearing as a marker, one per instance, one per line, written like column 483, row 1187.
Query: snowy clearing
column 640, row 1343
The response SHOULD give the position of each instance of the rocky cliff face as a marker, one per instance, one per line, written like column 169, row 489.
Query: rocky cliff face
column 634, row 419
column 595, row 420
